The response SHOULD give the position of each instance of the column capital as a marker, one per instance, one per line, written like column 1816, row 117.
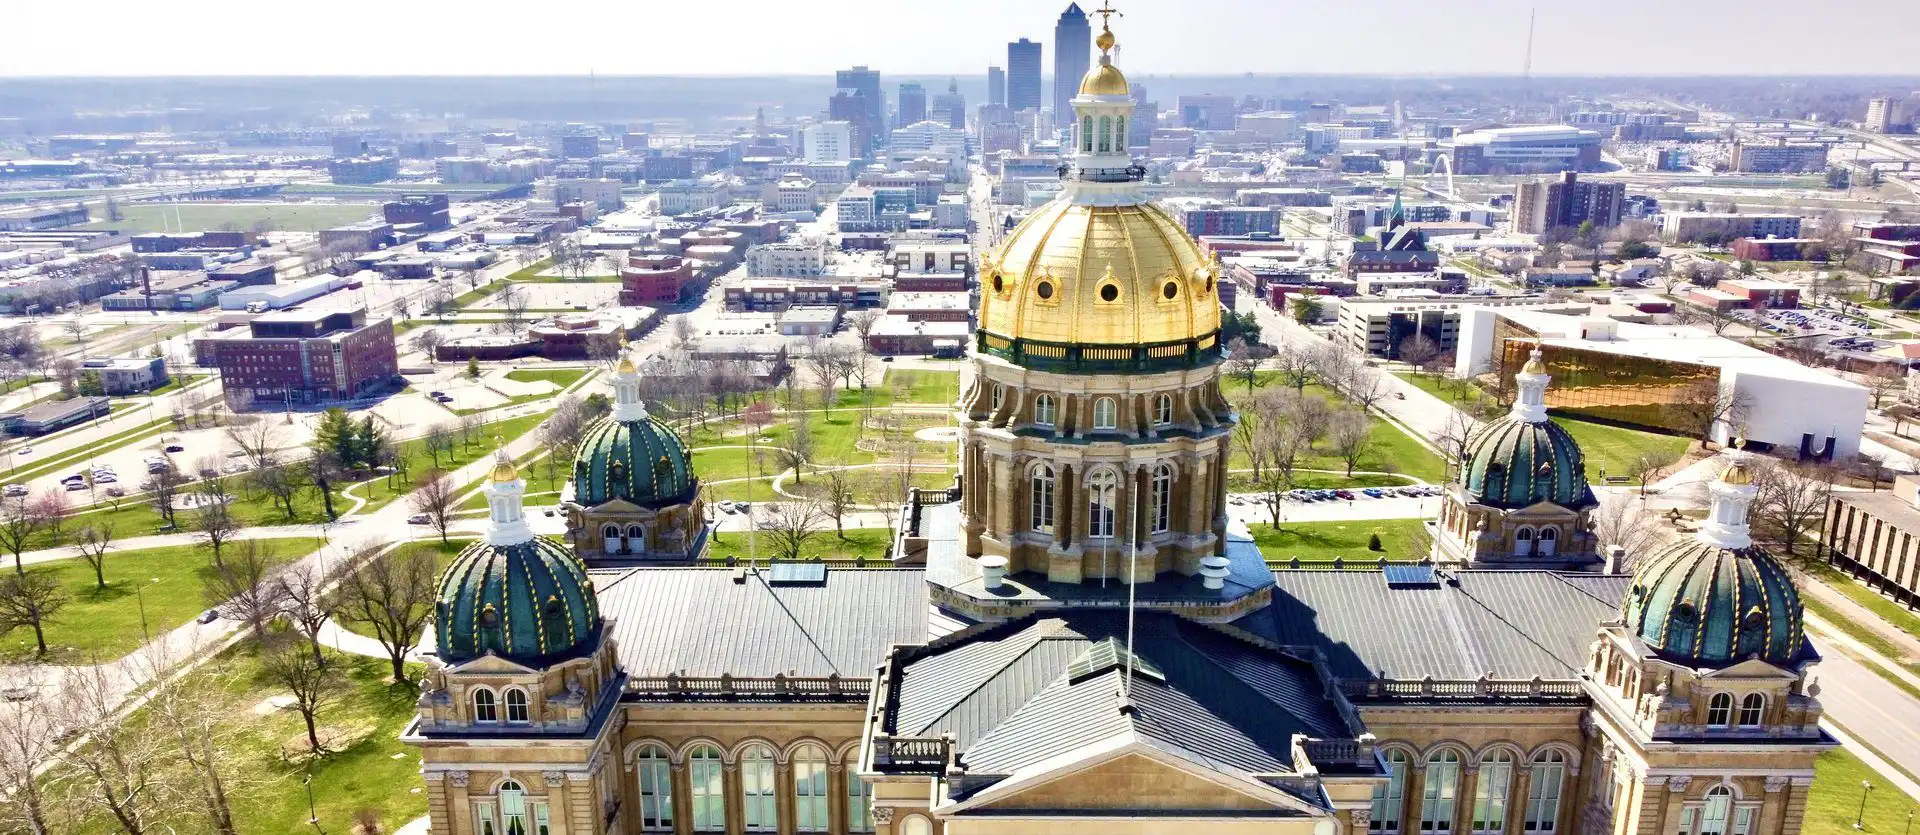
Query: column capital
column 883, row 814
column 460, row 777
column 1776, row 782
column 1678, row 784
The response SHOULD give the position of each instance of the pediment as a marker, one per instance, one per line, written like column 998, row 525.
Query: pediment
column 1751, row 668
column 1543, row 510
column 1132, row 773
column 617, row 506
column 490, row 664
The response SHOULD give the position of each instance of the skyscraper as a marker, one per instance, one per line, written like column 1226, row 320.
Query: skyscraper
column 865, row 83
column 1023, row 75
column 1071, row 38
column 950, row 108
column 996, row 85
column 913, row 104
column 851, row 106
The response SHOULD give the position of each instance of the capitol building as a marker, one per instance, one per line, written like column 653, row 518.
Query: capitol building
column 1071, row 640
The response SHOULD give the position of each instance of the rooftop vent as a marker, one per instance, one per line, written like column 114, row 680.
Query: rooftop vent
column 797, row 574
column 1411, row 577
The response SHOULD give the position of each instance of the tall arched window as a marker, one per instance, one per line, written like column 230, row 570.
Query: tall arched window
column 1543, row 792
column 1100, row 500
column 1043, row 410
column 656, row 789
column 516, row 701
column 1719, row 710
column 610, row 538
column 759, row 803
column 1162, row 498
column 1752, row 708
column 1086, row 134
column 1523, row 542
column 1437, row 796
column 1490, row 793
column 1042, row 490
column 1549, row 541
column 485, row 709
column 810, row 797
column 859, row 804
column 1715, row 812
column 1390, row 799
column 513, row 808
column 1163, row 410
column 1120, row 133
column 1106, row 134
column 1105, row 414
column 707, row 788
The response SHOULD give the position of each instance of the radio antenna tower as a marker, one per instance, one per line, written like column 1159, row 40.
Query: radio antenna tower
column 1526, row 67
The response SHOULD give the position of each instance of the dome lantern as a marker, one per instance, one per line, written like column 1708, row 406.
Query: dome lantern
column 627, row 405
column 1531, row 404
column 506, row 517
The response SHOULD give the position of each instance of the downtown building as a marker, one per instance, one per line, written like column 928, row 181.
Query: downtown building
column 1566, row 203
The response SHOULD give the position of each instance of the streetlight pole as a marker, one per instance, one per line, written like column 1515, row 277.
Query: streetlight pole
column 140, row 597
column 313, row 815
column 1860, row 817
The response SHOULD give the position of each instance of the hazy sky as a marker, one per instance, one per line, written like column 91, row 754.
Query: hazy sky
column 755, row 37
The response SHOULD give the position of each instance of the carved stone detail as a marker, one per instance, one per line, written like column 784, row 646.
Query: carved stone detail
column 1678, row 784
column 883, row 814
column 460, row 777
column 1775, row 783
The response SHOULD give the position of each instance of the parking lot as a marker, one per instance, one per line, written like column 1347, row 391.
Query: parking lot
column 1810, row 321
column 587, row 296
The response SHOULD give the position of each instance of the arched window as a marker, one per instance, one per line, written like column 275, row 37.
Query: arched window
column 1752, row 708
column 1162, row 498
column 637, row 534
column 1106, row 134
column 859, row 804
column 707, row 788
column 611, row 535
column 1719, row 710
column 1163, row 410
column 656, row 789
column 1523, row 542
column 1549, row 541
column 1715, row 812
column 916, row 825
column 485, row 709
column 513, row 808
column 1490, row 793
column 1543, row 792
column 810, row 797
column 1437, row 797
column 1100, row 501
column 1086, row 134
column 760, row 804
column 1105, row 414
column 1042, row 490
column 516, row 700
column 1043, row 410
column 1119, row 133
column 1390, row 799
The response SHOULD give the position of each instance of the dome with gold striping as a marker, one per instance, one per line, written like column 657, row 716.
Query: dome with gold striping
column 529, row 601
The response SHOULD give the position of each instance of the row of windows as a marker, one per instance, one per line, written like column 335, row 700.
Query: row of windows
column 1106, row 412
column 1102, row 500
column 1871, row 553
column 1111, row 137
column 487, row 705
column 1526, row 543
column 1720, row 710
column 759, row 793
column 1490, row 800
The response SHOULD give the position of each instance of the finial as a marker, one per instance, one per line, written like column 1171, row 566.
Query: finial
column 1105, row 39
column 1740, row 440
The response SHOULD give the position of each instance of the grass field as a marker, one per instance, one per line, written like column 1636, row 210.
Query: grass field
column 279, row 217
column 1389, row 448
column 864, row 543
column 380, row 492
column 560, row 377
column 1610, row 450
column 1900, row 616
column 1834, row 799
column 1322, row 541
column 105, row 623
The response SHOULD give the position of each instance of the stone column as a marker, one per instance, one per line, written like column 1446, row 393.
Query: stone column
column 783, row 810
column 1772, row 806
column 1065, row 502
column 457, row 802
column 736, row 797
column 1359, row 821
column 1464, row 795
column 883, row 820
column 1002, row 498
column 439, row 808
column 681, row 790
column 559, row 809
column 839, row 814
column 583, row 807
column 1793, row 810
column 1518, row 790
column 1410, row 807
column 1672, row 802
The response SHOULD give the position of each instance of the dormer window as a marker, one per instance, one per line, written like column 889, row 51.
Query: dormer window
column 1752, row 709
column 516, row 700
column 1720, row 710
column 485, row 709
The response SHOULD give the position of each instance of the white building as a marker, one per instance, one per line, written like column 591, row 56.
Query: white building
column 788, row 259
column 1687, row 226
column 602, row 193
column 795, row 194
column 1779, row 403
column 926, row 136
column 683, row 196
column 951, row 212
column 827, row 142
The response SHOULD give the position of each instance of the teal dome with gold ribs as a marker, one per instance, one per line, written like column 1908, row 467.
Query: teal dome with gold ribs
column 1523, row 458
column 631, row 456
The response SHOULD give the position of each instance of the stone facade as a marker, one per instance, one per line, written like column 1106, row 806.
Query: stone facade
column 621, row 530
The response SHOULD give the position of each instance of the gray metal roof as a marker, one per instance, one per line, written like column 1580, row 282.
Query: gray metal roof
column 1513, row 624
column 699, row 622
column 1007, row 695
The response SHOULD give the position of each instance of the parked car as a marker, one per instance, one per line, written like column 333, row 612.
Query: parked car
column 208, row 616
column 176, row 448
column 209, row 472
column 76, row 485
column 16, row 489
column 116, row 492
column 25, row 450
column 419, row 519
column 16, row 694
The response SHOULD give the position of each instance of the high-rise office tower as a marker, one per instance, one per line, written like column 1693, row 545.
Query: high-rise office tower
column 851, row 106
column 996, row 86
column 950, row 108
column 866, row 84
column 1023, row 75
column 1072, row 38
column 913, row 104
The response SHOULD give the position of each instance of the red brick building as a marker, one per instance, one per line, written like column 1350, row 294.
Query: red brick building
column 1772, row 249
column 653, row 278
column 303, row 356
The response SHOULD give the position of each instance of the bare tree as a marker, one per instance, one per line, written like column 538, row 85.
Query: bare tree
column 1791, row 500
column 304, row 592
column 1707, row 404
column 1622, row 522
column 257, row 437
column 194, row 713
column 1295, row 366
column 1452, row 438
column 469, row 425
column 31, row 599
column 1283, row 445
column 838, row 499
column 243, row 588
column 788, row 525
column 513, row 303
column 1649, row 464
column 798, row 449
column 428, row 341
column 29, row 745
column 314, row 686
column 1352, row 437
column 391, row 595
column 435, row 497
column 20, row 521
column 280, row 483
column 163, row 492
column 1241, row 363
column 213, row 524
column 93, row 540
column 1419, row 350
column 121, row 770
column 1884, row 382
column 439, row 441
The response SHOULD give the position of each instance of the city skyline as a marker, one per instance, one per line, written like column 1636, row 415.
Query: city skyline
column 1400, row 37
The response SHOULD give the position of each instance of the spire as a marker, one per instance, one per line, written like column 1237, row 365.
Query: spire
column 1531, row 404
column 1397, row 216
column 626, row 392
column 1730, row 494
column 506, row 521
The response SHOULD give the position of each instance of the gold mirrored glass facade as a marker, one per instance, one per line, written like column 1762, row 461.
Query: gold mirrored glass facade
column 1618, row 388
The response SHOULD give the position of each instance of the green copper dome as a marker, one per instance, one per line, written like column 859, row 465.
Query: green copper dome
column 530, row 602
column 641, row 461
column 1513, row 463
column 1702, row 605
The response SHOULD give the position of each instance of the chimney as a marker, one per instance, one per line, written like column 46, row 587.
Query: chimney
column 993, row 572
column 1616, row 557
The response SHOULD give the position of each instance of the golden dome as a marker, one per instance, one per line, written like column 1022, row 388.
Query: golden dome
column 1103, row 80
column 1534, row 365
column 1737, row 473
column 504, row 471
column 1111, row 275
column 626, row 366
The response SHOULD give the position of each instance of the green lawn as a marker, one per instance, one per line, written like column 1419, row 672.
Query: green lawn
column 284, row 217
column 1242, row 482
column 543, row 482
column 178, row 382
column 1461, row 393
column 1900, row 616
column 913, row 387
column 105, row 623
column 380, row 492
column 1610, row 450
column 1322, row 541
column 1390, row 448
column 864, row 543
column 1834, row 800
column 560, row 377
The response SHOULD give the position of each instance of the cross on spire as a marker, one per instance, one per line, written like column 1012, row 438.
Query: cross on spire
column 1106, row 11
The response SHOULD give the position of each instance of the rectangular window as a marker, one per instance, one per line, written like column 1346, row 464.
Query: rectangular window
column 1436, row 801
column 709, row 795
column 810, row 795
column 656, row 795
column 1543, row 797
column 1686, row 822
column 756, row 785
column 859, row 804
column 1743, row 820
column 1490, row 798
